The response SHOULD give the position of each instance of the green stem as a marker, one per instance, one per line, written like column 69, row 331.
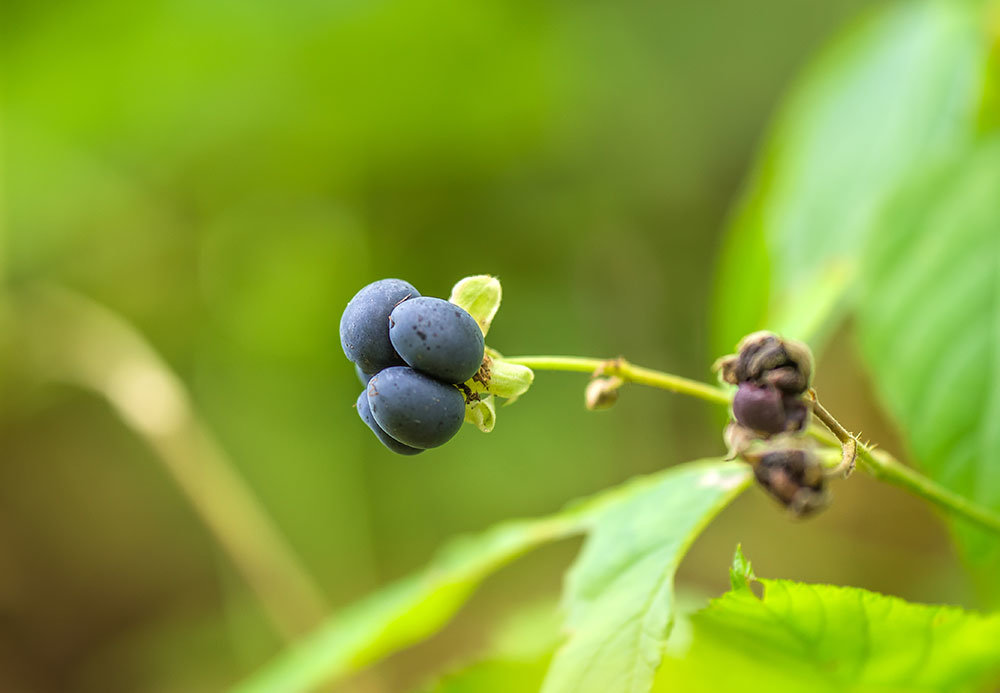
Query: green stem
column 880, row 464
column 628, row 372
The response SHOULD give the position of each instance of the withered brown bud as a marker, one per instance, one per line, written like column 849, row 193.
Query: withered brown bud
column 602, row 393
column 766, row 359
column 739, row 439
column 794, row 476
column 726, row 368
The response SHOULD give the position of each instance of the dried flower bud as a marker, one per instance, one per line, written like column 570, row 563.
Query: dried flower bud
column 766, row 359
column 725, row 366
column 794, row 476
column 602, row 393
column 739, row 439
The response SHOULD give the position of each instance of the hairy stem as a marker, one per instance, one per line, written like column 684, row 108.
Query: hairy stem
column 880, row 464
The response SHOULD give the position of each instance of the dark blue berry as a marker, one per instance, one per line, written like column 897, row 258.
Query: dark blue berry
column 364, row 326
column 414, row 408
column 362, row 376
column 437, row 338
column 365, row 412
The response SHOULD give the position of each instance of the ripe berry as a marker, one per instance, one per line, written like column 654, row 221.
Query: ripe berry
column 414, row 408
column 362, row 376
column 364, row 326
column 437, row 338
column 365, row 412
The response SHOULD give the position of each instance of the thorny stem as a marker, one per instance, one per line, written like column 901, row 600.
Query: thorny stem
column 849, row 444
column 878, row 463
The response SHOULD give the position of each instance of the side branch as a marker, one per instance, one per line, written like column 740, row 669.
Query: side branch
column 880, row 464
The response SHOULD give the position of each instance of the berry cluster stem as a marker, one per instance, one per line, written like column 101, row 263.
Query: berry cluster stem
column 878, row 463
column 627, row 372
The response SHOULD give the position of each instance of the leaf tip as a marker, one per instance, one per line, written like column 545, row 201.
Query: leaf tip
column 741, row 573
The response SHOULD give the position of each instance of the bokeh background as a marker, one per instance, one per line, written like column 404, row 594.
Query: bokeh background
column 224, row 176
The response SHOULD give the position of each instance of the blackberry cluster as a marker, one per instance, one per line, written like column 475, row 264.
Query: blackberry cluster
column 410, row 352
column 770, row 412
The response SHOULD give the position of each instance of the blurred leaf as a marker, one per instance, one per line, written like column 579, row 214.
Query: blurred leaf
column 619, row 593
column 518, row 656
column 495, row 676
column 415, row 608
column 480, row 296
column 890, row 95
column 407, row 611
column 930, row 329
column 821, row 638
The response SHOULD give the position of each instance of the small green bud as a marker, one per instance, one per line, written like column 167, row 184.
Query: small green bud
column 480, row 296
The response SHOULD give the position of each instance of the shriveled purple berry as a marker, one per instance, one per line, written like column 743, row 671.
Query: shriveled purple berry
column 760, row 409
column 797, row 412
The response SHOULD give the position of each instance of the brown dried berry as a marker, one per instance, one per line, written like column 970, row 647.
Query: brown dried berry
column 793, row 476
column 766, row 359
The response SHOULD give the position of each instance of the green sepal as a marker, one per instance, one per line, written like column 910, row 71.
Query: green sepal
column 480, row 296
column 482, row 413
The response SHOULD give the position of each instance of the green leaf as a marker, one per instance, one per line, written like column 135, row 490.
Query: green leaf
column 821, row 639
column 892, row 94
column 407, row 611
column 519, row 655
column 495, row 676
column 929, row 329
column 619, row 593
column 415, row 608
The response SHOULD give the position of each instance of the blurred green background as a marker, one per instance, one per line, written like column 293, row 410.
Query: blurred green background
column 224, row 176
